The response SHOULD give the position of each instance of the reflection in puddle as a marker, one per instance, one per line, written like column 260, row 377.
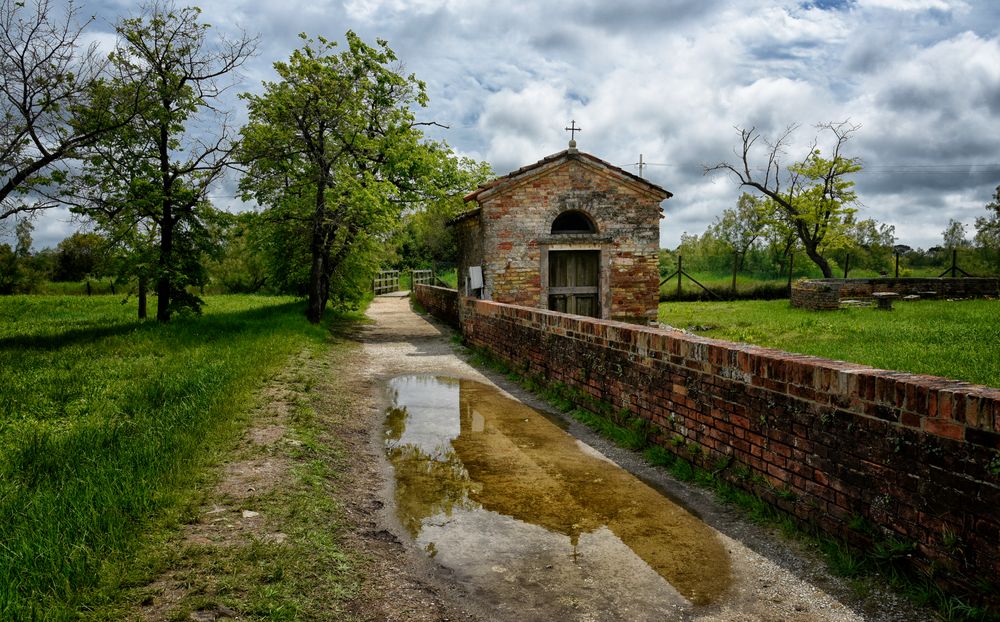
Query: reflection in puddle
column 499, row 494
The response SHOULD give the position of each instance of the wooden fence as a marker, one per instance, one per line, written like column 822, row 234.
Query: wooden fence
column 386, row 281
column 422, row 277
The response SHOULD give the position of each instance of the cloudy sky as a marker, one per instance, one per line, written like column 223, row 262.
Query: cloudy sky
column 671, row 79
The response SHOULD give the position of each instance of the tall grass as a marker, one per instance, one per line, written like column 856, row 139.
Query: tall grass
column 104, row 422
column 951, row 339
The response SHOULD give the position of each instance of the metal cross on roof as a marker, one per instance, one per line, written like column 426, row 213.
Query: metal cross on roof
column 573, row 129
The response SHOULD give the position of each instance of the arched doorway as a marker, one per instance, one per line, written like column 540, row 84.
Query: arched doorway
column 574, row 275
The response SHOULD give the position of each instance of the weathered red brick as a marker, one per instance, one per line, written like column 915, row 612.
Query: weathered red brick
column 943, row 427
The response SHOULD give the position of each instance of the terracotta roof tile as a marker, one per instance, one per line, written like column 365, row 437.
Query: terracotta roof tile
column 565, row 154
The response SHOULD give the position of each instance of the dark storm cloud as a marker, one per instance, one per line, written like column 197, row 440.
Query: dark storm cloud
column 643, row 16
column 868, row 55
column 558, row 39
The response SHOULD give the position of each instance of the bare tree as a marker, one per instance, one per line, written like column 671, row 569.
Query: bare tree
column 813, row 191
column 46, row 82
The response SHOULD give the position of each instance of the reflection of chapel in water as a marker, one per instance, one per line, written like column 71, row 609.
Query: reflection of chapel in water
column 465, row 454
column 570, row 233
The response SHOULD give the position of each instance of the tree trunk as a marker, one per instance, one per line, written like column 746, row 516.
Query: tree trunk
column 820, row 261
column 163, row 263
column 810, row 241
column 319, row 248
column 736, row 264
column 317, row 291
column 142, row 297
column 165, row 259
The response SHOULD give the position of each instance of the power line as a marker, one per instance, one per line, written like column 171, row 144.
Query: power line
column 885, row 169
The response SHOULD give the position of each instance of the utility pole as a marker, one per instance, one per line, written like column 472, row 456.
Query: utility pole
column 642, row 165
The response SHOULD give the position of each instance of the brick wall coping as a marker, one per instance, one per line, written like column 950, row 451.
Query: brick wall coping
column 438, row 288
column 888, row 282
column 441, row 302
column 952, row 409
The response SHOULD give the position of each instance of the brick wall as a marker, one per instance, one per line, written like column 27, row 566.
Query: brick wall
column 440, row 302
column 835, row 444
column 816, row 293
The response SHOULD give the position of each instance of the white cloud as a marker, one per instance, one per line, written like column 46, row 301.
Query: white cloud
column 914, row 5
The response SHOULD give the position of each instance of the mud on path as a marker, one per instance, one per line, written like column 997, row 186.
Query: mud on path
column 770, row 578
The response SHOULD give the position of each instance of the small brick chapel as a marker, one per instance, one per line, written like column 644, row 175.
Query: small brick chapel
column 570, row 233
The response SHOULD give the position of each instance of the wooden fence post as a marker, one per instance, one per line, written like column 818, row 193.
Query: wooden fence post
column 680, row 272
column 791, row 266
column 736, row 257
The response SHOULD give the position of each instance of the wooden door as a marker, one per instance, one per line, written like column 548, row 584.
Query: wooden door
column 574, row 278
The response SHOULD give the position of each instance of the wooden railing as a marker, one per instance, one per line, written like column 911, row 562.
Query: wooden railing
column 386, row 281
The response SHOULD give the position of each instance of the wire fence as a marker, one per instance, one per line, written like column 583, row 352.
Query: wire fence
column 731, row 277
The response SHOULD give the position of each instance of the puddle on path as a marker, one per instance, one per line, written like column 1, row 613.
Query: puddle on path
column 533, row 519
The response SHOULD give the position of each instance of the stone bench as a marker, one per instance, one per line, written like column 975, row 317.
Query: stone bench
column 884, row 299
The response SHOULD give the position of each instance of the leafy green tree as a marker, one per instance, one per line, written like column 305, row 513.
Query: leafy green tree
column 781, row 239
column 704, row 252
column 742, row 227
column 22, row 232
column 814, row 192
column 988, row 227
column 334, row 155
column 153, row 176
column 240, row 267
column 988, row 230
column 424, row 236
column 869, row 242
column 10, row 270
column 954, row 235
column 80, row 255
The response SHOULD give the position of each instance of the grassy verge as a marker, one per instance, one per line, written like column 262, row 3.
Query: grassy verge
column 288, row 561
column 885, row 561
column 108, row 424
column 937, row 337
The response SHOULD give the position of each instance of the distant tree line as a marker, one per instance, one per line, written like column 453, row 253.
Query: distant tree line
column 750, row 239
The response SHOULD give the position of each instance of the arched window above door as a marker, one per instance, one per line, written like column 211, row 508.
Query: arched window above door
column 573, row 221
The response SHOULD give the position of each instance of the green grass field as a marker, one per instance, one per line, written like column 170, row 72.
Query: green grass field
column 105, row 424
column 958, row 340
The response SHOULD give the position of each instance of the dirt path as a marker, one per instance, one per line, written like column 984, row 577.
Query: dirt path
column 770, row 579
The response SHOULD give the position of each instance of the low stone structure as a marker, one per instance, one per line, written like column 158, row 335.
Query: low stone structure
column 571, row 233
column 824, row 294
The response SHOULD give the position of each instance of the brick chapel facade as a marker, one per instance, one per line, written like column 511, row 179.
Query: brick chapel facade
column 570, row 233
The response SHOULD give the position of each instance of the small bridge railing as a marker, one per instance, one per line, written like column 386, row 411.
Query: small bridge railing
column 386, row 282
column 423, row 277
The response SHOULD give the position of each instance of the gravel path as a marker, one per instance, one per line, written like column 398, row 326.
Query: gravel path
column 772, row 579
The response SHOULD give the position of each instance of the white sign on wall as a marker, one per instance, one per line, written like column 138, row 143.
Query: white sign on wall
column 475, row 277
